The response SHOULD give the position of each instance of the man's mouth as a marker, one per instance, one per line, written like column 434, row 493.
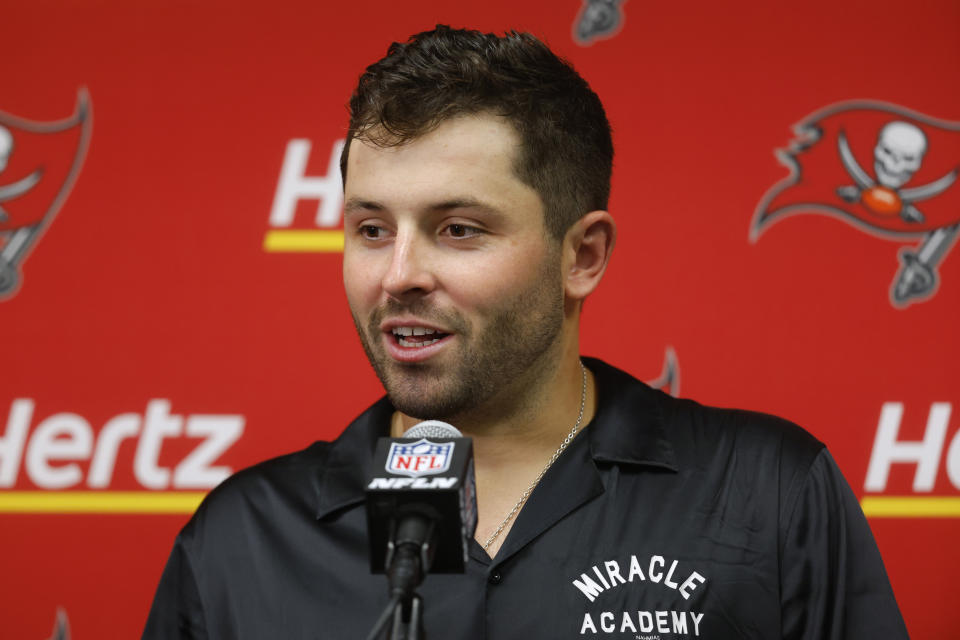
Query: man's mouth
column 416, row 337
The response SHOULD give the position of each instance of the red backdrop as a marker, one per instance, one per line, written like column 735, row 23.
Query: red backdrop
column 174, row 306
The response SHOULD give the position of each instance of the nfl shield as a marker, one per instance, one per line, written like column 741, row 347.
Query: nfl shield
column 420, row 458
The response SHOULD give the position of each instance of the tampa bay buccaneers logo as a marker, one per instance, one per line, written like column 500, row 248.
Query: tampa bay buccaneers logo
column 889, row 171
column 39, row 162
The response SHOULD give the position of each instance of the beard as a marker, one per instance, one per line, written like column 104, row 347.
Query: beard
column 514, row 342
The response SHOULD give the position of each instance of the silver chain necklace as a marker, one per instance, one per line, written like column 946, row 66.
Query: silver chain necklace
column 553, row 458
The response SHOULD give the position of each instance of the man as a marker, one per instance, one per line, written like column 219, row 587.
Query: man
column 476, row 183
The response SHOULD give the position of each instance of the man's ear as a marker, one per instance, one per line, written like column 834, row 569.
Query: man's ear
column 586, row 252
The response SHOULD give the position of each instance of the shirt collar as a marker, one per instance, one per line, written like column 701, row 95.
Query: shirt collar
column 342, row 478
column 629, row 425
column 628, row 428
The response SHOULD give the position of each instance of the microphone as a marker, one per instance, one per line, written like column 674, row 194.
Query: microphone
column 421, row 505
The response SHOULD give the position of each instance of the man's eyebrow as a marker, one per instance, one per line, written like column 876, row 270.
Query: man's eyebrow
column 355, row 204
column 465, row 203
column 360, row 204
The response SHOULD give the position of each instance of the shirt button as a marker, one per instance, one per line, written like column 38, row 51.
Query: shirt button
column 495, row 577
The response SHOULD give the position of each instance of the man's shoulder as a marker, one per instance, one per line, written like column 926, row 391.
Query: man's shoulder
column 286, row 472
column 742, row 427
column 768, row 460
column 697, row 432
column 775, row 454
column 286, row 482
column 300, row 480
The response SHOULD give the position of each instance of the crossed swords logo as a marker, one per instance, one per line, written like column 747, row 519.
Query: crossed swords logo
column 897, row 156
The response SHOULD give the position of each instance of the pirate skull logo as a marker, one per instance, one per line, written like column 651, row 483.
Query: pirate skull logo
column 897, row 156
column 899, row 153
column 899, row 185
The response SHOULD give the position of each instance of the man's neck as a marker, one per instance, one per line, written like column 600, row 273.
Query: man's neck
column 511, row 449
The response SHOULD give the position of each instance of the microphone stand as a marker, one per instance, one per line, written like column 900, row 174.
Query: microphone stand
column 408, row 620
column 409, row 557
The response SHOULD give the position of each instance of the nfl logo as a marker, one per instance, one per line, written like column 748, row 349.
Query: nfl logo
column 420, row 458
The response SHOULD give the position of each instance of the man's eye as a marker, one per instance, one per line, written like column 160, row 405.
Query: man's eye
column 370, row 231
column 462, row 231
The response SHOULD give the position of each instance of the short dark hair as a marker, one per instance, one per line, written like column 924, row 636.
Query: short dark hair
column 566, row 150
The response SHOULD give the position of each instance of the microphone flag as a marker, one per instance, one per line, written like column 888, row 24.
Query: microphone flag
column 430, row 475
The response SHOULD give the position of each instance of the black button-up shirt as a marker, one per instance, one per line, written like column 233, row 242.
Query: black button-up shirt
column 663, row 519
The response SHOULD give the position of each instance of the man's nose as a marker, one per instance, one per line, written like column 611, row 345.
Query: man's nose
column 410, row 272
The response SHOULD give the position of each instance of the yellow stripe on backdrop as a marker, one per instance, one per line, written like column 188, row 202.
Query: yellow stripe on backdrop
column 133, row 502
column 303, row 241
column 911, row 506
column 175, row 502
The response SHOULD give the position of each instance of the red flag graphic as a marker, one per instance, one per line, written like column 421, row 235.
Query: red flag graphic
column 889, row 170
column 39, row 162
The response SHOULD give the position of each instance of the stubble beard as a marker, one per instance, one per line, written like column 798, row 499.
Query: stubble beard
column 515, row 344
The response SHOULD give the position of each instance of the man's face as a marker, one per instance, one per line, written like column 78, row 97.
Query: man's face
column 452, row 279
